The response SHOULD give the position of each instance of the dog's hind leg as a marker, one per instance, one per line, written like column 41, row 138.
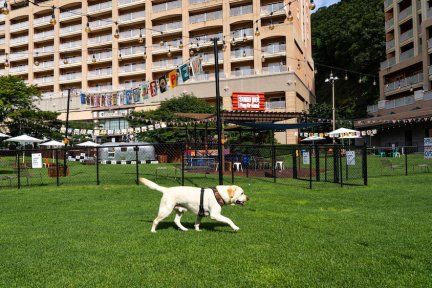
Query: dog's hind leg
column 223, row 219
column 198, row 222
column 165, row 209
column 179, row 213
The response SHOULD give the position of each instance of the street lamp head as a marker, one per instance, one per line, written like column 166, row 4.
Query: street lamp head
column 335, row 78
column 327, row 80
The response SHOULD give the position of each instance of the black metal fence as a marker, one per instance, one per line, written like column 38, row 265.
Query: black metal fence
column 189, row 164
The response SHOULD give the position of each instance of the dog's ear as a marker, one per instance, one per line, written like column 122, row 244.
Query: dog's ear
column 231, row 191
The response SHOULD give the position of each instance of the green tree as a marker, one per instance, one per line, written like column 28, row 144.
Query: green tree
column 15, row 95
column 34, row 122
column 185, row 103
column 349, row 35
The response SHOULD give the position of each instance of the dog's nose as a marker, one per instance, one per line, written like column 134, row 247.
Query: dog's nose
column 247, row 198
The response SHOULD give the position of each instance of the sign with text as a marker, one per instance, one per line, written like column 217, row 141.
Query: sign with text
column 427, row 148
column 306, row 158
column 350, row 158
column 36, row 160
column 248, row 101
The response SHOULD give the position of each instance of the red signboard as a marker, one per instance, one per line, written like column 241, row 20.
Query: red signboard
column 248, row 101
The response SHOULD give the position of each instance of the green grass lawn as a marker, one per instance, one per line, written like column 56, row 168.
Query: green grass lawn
column 99, row 236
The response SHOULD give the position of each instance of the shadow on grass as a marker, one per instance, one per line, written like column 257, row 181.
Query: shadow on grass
column 210, row 226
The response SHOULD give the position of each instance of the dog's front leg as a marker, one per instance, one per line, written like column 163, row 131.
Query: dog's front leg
column 223, row 219
column 198, row 222
column 179, row 214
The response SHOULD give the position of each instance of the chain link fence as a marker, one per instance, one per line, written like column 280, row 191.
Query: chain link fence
column 197, row 163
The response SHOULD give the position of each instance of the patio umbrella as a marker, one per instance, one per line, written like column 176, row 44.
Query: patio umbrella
column 53, row 144
column 88, row 144
column 2, row 135
column 23, row 140
column 349, row 137
column 313, row 138
column 341, row 132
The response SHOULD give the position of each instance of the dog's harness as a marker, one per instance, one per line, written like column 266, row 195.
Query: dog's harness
column 218, row 197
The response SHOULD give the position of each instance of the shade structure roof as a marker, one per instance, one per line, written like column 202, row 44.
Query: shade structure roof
column 52, row 143
column 24, row 139
column 88, row 144
column 243, row 116
column 275, row 126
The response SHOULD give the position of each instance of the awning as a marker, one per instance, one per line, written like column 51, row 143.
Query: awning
column 276, row 127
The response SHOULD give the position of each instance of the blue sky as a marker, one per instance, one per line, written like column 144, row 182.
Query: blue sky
column 322, row 3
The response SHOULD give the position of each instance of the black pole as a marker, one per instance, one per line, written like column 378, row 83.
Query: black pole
column 97, row 166
column 294, row 161
column 273, row 159
column 136, row 162
column 317, row 162
column 183, row 164
column 364, row 164
column 406, row 164
column 218, row 108
column 66, row 141
column 57, row 168
column 310, row 167
column 19, row 171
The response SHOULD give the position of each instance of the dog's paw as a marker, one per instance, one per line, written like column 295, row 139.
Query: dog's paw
column 236, row 228
column 153, row 231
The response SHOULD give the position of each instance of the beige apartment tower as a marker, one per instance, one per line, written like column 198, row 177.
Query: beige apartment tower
column 105, row 46
column 404, row 110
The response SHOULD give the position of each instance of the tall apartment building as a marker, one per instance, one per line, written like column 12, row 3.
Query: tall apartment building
column 403, row 113
column 110, row 57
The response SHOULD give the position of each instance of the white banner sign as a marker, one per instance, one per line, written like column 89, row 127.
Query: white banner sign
column 350, row 157
column 427, row 148
column 36, row 160
column 306, row 158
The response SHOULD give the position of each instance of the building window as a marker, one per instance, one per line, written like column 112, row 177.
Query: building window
column 275, row 103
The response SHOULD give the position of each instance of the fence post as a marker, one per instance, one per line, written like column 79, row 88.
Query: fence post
column 97, row 166
column 136, row 164
column 247, row 161
column 317, row 163
column 335, row 164
column 364, row 164
column 294, row 162
column 182, row 163
column 406, row 163
column 274, row 162
column 325, row 165
column 57, row 169
column 340, row 166
column 310, row 167
column 19, row 170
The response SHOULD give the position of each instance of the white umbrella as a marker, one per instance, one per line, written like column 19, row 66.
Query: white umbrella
column 88, row 144
column 23, row 140
column 342, row 131
column 313, row 138
column 2, row 135
column 52, row 143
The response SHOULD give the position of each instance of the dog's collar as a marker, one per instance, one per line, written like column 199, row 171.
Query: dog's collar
column 218, row 197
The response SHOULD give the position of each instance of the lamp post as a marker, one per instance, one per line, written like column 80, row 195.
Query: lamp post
column 332, row 80
column 218, row 112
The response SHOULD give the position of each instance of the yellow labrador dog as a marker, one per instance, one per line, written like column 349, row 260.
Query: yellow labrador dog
column 183, row 198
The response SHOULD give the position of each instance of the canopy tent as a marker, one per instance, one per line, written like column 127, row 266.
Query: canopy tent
column 24, row 140
column 52, row 143
column 313, row 138
column 88, row 144
column 342, row 131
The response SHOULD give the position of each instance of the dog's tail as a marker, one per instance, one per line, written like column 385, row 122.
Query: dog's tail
column 152, row 185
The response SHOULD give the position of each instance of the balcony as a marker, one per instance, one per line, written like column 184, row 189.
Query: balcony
column 71, row 60
column 132, row 33
column 72, row 29
column 71, row 45
column 132, row 50
column 208, row 58
column 100, row 39
column 44, row 49
column 248, row 32
column 76, row 13
column 100, row 7
column 390, row 44
column 100, row 88
column 241, row 10
column 430, row 70
column 101, row 23
column 406, row 55
column 274, row 48
column 166, row 6
column 19, row 26
column 192, row 2
column 44, row 65
column 243, row 52
column 2, row 27
column 387, row 3
column 208, row 76
column 206, row 40
column 167, row 64
column 205, row 17
column 18, row 69
column 2, row 41
column 173, row 45
column 129, row 68
column 100, row 72
column 429, row 13
column 407, row 12
column 395, row 103
column 389, row 24
column 43, row 35
column 274, row 69
column 167, row 28
column 45, row 20
column 405, row 36
column 19, row 55
column 71, row 76
column 47, row 80
column 388, row 63
column 242, row 72
column 272, row 9
column 127, row 2
column 19, row 40
column 403, row 83
column 100, row 56
column 134, row 16
column 372, row 108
